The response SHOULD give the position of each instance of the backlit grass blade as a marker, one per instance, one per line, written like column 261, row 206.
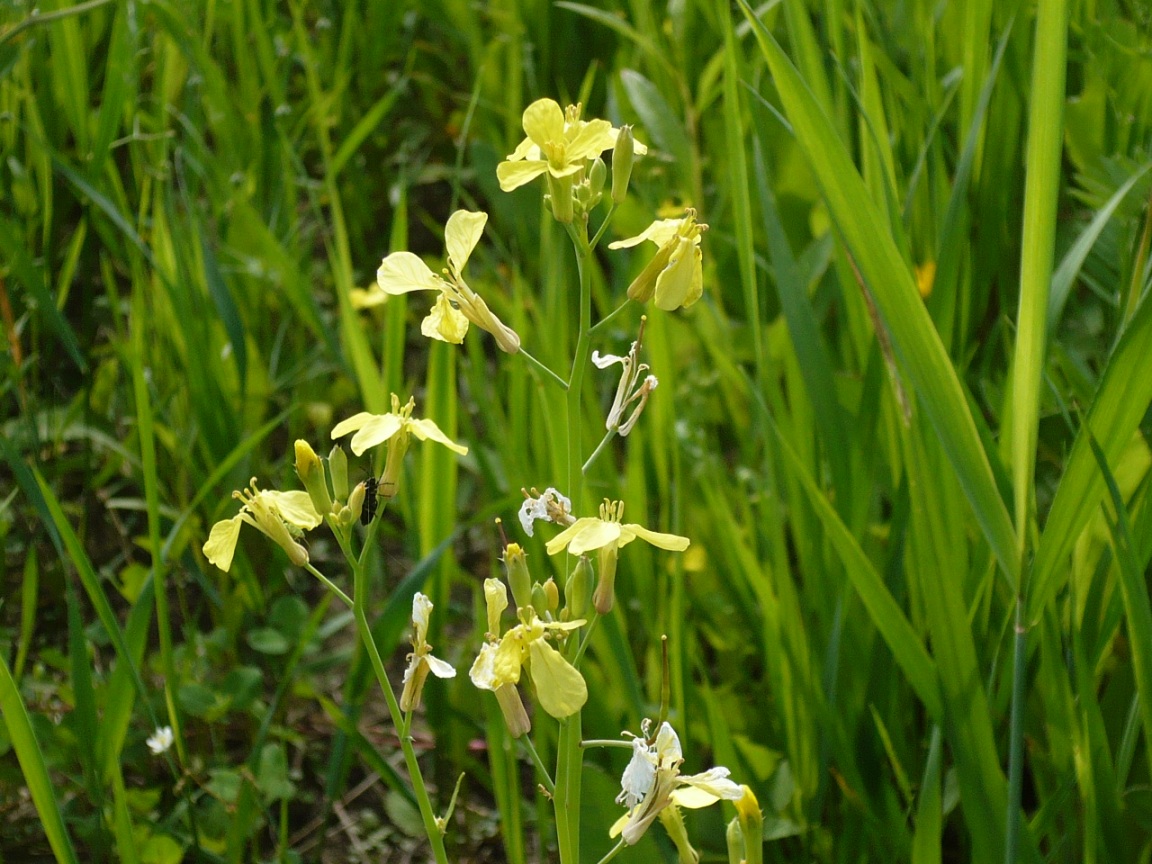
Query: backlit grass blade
column 1123, row 396
column 930, row 806
column 1134, row 590
column 31, row 761
column 1045, row 132
column 919, row 351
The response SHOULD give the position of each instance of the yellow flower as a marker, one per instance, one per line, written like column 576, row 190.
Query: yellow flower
column 282, row 516
column 608, row 535
column 558, row 142
column 421, row 661
column 675, row 275
column 559, row 686
column 652, row 781
column 373, row 429
column 925, row 277
column 457, row 304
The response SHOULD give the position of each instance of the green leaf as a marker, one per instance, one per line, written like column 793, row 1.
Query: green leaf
column 268, row 640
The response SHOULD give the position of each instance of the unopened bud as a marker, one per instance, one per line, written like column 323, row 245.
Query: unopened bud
column 539, row 598
column 597, row 176
column 310, row 470
column 552, row 593
column 577, row 588
column 673, row 821
column 623, row 155
column 338, row 472
column 356, row 503
column 519, row 579
column 751, row 825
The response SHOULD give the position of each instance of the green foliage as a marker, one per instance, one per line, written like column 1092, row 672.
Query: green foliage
column 878, row 461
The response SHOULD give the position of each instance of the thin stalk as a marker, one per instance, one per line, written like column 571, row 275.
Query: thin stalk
column 1016, row 739
column 545, row 777
column 613, row 852
column 586, row 639
column 599, row 449
column 604, row 321
column 569, row 756
column 548, row 373
column 329, row 584
column 427, row 815
column 607, row 742
column 603, row 226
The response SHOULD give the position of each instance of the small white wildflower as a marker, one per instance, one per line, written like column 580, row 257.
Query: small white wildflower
column 160, row 740
column 551, row 506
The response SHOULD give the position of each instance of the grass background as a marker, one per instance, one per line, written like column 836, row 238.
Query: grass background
column 883, row 489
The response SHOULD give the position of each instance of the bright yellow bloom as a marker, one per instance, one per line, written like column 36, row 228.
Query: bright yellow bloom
column 675, row 276
column 558, row 142
column 608, row 535
column 373, row 429
column 282, row 516
column 559, row 686
column 421, row 661
column 457, row 304
column 652, row 781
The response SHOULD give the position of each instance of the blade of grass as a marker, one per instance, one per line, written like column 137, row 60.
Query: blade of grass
column 31, row 760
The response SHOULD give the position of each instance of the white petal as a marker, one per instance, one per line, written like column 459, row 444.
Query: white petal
column 638, row 776
column 603, row 361
column 440, row 668
column 421, row 612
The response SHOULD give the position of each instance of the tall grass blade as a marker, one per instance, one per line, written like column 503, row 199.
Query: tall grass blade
column 31, row 760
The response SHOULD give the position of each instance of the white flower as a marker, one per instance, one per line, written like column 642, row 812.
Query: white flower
column 160, row 740
column 421, row 661
column 627, row 391
column 551, row 506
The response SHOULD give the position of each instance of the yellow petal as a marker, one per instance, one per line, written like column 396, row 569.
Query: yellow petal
column 513, row 175
column 402, row 272
column 696, row 289
column 428, row 430
column 693, row 797
column 509, row 658
column 619, row 824
column 461, row 235
column 376, row 431
column 559, row 687
column 526, row 149
column 483, row 671
column 352, row 424
column 594, row 138
column 444, row 322
column 296, row 508
column 675, row 282
column 562, row 539
column 221, row 545
column 598, row 534
column 671, row 542
column 659, row 232
column 544, row 122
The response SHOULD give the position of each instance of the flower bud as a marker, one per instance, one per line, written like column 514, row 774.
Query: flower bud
column 356, row 503
column 735, row 841
column 519, row 579
column 539, row 598
column 751, row 826
column 552, row 593
column 623, row 155
column 597, row 176
column 576, row 589
column 673, row 821
column 310, row 470
column 338, row 471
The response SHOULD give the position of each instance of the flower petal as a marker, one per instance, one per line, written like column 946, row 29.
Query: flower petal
column 594, row 138
column 402, row 272
column 674, row 283
column 544, row 121
column 713, row 782
column 221, row 545
column 296, row 508
column 559, row 686
column 376, row 431
column 671, row 542
column 603, row 361
column 513, row 175
column 565, row 537
column 483, row 671
column 659, row 232
column 445, row 322
column 421, row 613
column 440, row 668
column 461, row 235
column 428, row 430
column 353, row 423
column 524, row 151
column 595, row 536
column 693, row 798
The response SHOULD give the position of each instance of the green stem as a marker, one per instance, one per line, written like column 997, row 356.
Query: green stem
column 586, row 639
column 329, row 585
column 359, row 607
column 546, row 778
column 604, row 321
column 607, row 742
column 548, row 373
column 1016, row 738
column 603, row 226
column 599, row 449
column 613, row 852
column 569, row 755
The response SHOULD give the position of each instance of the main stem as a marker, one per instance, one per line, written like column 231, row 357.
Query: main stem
column 360, row 605
column 569, row 755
